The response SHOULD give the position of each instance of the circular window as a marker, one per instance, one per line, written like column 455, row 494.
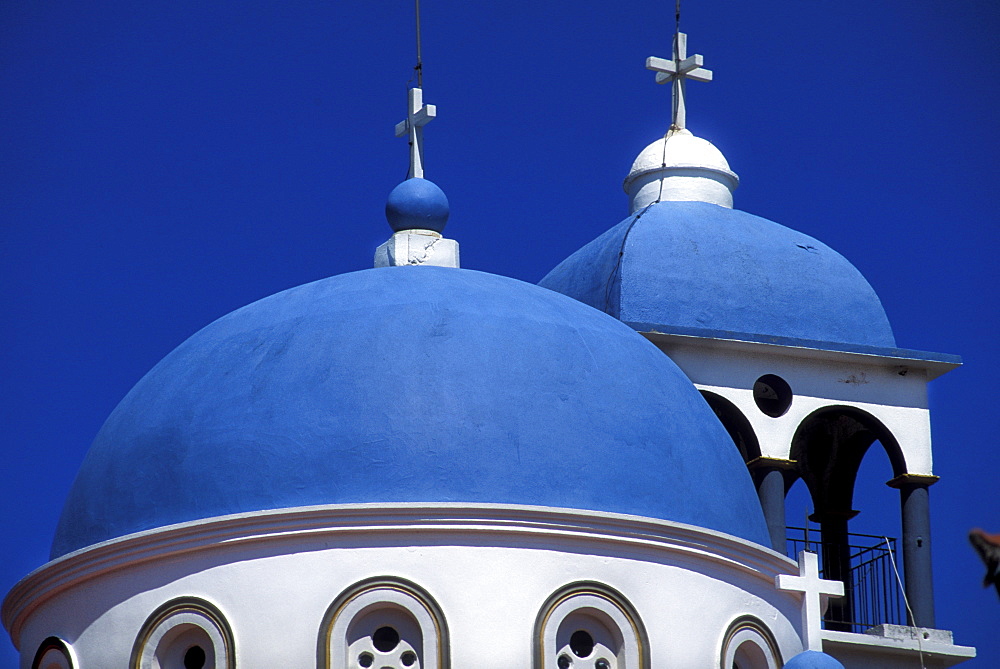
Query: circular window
column 385, row 639
column 581, row 643
column 772, row 394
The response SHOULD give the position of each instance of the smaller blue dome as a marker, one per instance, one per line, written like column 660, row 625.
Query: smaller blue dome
column 813, row 659
column 417, row 204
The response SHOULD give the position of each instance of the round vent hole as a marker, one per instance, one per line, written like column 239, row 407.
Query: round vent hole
column 772, row 394
column 581, row 643
column 385, row 639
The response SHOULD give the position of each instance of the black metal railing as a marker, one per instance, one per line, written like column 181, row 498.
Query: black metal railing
column 872, row 591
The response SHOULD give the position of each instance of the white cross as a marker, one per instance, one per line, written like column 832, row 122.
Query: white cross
column 816, row 593
column 417, row 117
column 678, row 70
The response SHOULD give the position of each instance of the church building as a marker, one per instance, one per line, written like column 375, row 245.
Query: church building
column 422, row 466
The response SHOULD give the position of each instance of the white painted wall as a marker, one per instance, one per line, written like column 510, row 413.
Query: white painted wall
column 868, row 383
column 490, row 571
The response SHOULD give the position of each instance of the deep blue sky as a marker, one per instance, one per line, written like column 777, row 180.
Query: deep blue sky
column 163, row 163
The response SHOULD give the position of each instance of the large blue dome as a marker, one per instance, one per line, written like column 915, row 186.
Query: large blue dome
column 410, row 384
column 702, row 269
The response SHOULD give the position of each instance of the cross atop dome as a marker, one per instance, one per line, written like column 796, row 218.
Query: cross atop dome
column 417, row 209
column 417, row 117
column 678, row 71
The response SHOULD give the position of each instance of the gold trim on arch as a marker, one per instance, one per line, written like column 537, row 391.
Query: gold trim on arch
column 756, row 625
column 185, row 605
column 594, row 589
column 384, row 583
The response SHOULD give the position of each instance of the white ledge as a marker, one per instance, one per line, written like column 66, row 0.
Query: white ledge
column 411, row 522
column 942, row 654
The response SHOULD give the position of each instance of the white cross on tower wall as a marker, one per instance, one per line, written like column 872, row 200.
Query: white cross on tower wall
column 417, row 117
column 816, row 593
column 677, row 71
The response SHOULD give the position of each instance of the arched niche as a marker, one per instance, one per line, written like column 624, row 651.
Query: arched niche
column 384, row 622
column 589, row 624
column 53, row 653
column 749, row 644
column 185, row 633
column 736, row 424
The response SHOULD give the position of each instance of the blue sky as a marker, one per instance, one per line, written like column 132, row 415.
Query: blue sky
column 165, row 163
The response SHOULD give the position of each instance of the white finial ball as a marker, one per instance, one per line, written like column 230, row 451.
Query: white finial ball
column 681, row 167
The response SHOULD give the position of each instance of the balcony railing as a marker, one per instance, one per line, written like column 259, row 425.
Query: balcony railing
column 873, row 594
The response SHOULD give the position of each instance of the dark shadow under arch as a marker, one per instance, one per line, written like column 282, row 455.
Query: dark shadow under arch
column 828, row 447
column 51, row 643
column 736, row 424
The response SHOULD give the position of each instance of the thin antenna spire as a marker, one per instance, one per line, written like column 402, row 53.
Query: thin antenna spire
column 420, row 62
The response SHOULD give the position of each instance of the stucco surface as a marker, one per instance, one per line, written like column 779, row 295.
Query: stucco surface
column 410, row 384
column 696, row 266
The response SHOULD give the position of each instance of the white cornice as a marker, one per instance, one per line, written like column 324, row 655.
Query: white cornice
column 488, row 523
column 901, row 359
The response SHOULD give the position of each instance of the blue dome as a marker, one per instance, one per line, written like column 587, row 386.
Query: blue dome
column 701, row 269
column 410, row 384
column 417, row 204
column 813, row 659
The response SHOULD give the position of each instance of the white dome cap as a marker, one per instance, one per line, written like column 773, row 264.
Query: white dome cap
column 680, row 167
